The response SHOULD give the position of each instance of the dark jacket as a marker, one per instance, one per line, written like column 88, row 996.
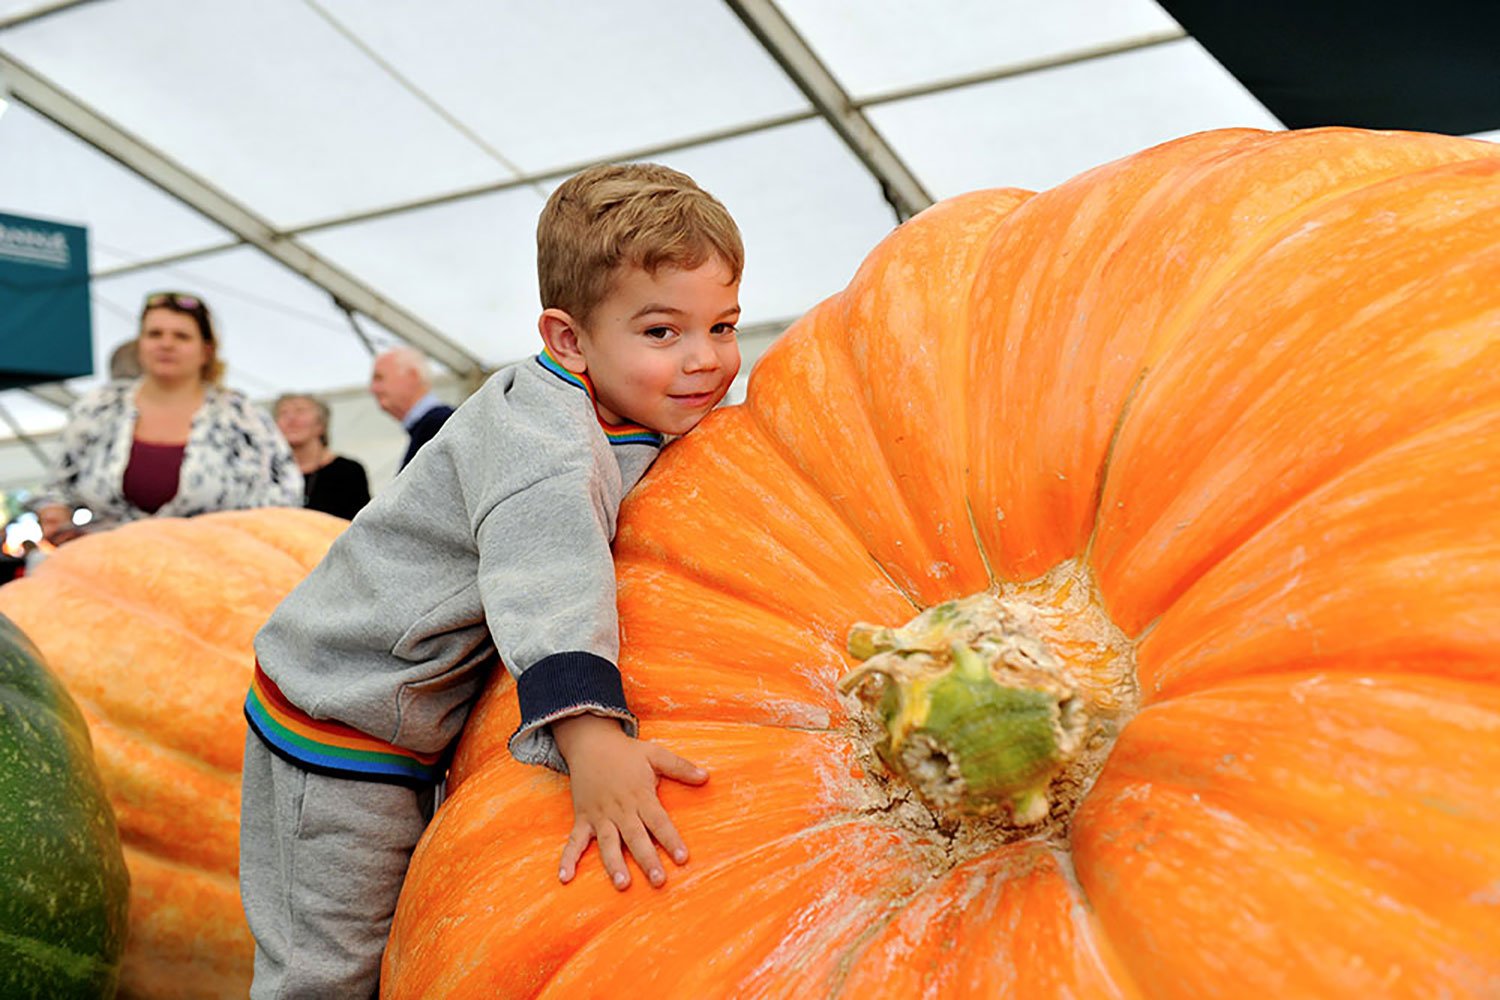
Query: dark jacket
column 425, row 429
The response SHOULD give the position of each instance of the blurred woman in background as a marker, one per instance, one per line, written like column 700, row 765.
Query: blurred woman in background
column 333, row 484
column 173, row 442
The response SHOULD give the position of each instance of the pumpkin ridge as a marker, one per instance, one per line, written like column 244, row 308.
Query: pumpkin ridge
column 1175, row 525
column 118, row 703
column 849, row 959
column 918, row 410
column 1478, row 422
column 656, row 562
column 136, row 607
column 1031, row 933
column 814, row 549
column 1317, row 866
column 1053, row 343
column 1188, row 311
column 302, row 536
column 844, row 347
column 1054, row 233
column 1278, row 514
column 177, row 754
column 617, row 907
column 1471, row 707
column 834, row 725
column 891, row 896
column 838, row 511
column 1434, row 666
column 1217, row 852
column 1101, row 480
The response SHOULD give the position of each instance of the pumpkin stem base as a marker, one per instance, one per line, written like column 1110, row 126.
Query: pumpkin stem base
column 997, row 709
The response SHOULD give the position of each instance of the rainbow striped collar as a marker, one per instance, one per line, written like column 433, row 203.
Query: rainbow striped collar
column 614, row 433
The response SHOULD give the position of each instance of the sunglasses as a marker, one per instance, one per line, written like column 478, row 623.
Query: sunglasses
column 174, row 300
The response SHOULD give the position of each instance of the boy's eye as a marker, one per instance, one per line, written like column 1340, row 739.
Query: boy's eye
column 726, row 329
column 658, row 332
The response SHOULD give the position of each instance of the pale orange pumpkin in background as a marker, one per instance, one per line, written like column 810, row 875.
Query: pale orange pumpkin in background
column 1244, row 389
column 150, row 626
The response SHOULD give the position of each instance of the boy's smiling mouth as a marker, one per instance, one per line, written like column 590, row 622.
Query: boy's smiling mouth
column 693, row 398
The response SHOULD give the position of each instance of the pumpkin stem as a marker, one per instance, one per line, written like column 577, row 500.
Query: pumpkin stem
column 975, row 711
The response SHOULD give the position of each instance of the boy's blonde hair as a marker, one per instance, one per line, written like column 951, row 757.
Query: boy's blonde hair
column 627, row 214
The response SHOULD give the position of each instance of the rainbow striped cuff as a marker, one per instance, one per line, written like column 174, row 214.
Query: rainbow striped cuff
column 330, row 747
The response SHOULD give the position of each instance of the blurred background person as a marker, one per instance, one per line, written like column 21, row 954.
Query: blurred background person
column 333, row 483
column 54, row 526
column 400, row 384
column 125, row 361
column 173, row 442
column 55, row 518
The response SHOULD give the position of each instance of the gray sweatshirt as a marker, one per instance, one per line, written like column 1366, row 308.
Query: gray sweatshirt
column 493, row 542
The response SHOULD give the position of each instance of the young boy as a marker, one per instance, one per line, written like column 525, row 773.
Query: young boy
column 492, row 545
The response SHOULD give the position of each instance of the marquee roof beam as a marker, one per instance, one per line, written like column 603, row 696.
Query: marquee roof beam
column 56, row 393
column 797, row 59
column 50, row 101
column 39, row 11
column 1071, row 58
column 652, row 152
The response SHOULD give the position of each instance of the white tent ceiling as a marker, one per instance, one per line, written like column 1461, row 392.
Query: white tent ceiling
column 398, row 152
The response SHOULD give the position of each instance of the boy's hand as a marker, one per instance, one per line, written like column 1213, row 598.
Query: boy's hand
column 614, row 779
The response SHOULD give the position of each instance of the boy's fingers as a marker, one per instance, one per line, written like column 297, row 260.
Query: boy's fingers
column 638, row 839
column 578, row 842
column 614, row 860
column 672, row 766
column 665, row 832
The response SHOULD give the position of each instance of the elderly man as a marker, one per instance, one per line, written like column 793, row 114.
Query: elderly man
column 400, row 385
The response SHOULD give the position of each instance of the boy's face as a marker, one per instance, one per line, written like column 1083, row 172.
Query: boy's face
column 661, row 348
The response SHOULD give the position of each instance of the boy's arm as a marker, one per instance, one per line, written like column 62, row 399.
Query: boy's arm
column 547, row 581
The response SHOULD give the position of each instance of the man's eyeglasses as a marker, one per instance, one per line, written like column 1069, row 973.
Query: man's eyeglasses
column 173, row 300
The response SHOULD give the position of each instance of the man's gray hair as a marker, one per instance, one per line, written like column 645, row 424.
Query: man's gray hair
column 408, row 358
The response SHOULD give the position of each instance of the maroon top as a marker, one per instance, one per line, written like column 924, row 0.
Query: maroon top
column 151, row 476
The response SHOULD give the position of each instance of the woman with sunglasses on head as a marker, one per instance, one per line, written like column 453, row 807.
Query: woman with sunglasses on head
column 173, row 442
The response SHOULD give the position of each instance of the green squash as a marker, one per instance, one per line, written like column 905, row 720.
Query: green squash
column 64, row 890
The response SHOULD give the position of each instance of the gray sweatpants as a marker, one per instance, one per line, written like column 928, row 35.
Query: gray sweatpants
column 321, row 865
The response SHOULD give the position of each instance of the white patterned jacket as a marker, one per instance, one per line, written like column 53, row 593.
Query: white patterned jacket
column 235, row 458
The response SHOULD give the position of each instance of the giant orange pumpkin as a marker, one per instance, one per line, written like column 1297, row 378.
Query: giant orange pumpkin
column 1213, row 431
column 150, row 626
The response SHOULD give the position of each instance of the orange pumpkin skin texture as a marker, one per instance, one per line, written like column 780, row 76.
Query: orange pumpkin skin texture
column 1243, row 389
column 150, row 627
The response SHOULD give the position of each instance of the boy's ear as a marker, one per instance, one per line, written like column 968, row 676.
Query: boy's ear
column 561, row 333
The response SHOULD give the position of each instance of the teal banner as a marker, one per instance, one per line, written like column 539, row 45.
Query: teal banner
column 46, row 332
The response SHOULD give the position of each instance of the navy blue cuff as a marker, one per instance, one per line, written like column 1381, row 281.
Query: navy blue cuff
column 561, row 682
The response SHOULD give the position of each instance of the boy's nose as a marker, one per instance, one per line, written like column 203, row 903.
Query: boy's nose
column 700, row 355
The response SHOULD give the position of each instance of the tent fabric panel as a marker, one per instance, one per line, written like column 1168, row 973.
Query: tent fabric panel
column 551, row 85
column 46, row 172
column 875, row 46
column 470, row 266
column 265, row 100
column 1038, row 130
